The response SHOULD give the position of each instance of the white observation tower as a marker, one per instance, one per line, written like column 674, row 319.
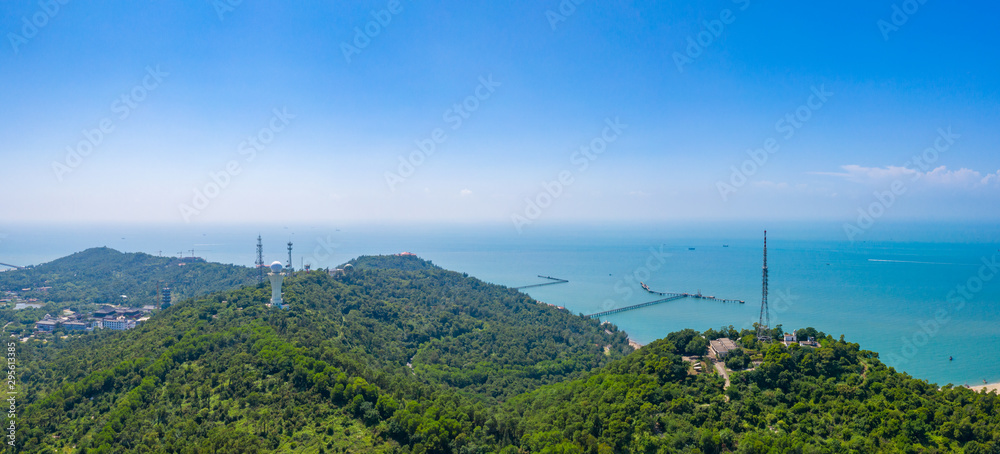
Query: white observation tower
column 276, row 276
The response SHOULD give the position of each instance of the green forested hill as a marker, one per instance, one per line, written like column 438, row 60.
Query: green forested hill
column 102, row 275
column 492, row 371
column 832, row 399
column 227, row 372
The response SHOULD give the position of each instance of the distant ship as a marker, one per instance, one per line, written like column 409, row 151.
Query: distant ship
column 725, row 245
column 690, row 248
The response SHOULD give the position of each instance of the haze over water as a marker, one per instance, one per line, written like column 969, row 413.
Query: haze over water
column 891, row 297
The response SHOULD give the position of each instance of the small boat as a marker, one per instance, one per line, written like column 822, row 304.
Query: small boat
column 725, row 245
column 690, row 248
column 950, row 358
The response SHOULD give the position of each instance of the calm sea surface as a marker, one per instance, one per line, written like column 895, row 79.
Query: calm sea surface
column 916, row 297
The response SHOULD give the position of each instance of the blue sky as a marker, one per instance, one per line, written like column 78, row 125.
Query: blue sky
column 332, row 125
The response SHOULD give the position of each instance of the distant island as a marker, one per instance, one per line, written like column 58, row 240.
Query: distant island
column 394, row 354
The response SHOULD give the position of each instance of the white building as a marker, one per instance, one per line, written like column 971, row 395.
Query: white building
column 118, row 324
column 722, row 346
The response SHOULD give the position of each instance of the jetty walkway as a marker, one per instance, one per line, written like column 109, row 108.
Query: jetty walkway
column 669, row 297
column 555, row 280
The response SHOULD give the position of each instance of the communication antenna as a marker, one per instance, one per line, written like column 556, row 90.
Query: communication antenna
column 764, row 325
column 289, row 266
column 260, row 261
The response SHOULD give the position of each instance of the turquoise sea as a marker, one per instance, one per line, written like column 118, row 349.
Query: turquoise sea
column 916, row 294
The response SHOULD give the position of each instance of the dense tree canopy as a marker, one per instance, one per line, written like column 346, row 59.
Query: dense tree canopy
column 398, row 355
column 102, row 276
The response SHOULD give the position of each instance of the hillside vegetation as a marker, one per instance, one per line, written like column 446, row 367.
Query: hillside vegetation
column 228, row 373
column 102, row 275
column 399, row 355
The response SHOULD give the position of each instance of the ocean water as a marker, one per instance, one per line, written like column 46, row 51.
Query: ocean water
column 916, row 294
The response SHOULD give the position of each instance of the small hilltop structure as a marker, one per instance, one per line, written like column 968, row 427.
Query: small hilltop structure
column 276, row 277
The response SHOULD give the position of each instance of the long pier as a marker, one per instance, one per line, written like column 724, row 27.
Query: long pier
column 635, row 306
column 11, row 266
column 669, row 297
column 555, row 280
column 692, row 295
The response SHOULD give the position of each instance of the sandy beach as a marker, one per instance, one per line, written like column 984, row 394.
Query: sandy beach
column 635, row 345
column 992, row 387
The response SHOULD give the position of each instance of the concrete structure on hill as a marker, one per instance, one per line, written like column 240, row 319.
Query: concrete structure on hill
column 104, row 311
column 107, row 316
column 721, row 347
column 276, row 277
column 75, row 325
column 47, row 323
column 119, row 323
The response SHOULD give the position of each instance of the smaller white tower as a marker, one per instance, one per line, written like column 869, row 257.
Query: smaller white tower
column 276, row 276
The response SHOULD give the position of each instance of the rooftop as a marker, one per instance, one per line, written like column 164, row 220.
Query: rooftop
column 723, row 345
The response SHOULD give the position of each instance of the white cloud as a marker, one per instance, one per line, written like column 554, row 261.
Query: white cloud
column 859, row 174
column 991, row 178
column 940, row 176
column 465, row 192
column 770, row 185
column 961, row 177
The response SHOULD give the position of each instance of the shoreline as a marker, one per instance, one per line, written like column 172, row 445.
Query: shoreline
column 991, row 387
column 635, row 345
